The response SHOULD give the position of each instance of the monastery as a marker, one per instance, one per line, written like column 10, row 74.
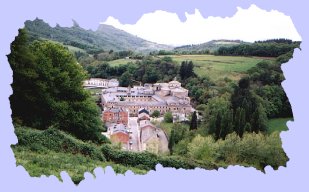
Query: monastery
column 163, row 97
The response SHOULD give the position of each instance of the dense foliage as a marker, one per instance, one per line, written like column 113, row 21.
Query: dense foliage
column 270, row 48
column 55, row 140
column 47, row 89
column 206, row 48
column 148, row 161
column 147, row 70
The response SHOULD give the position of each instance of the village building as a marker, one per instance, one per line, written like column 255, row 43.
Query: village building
column 115, row 115
column 163, row 97
column 143, row 114
column 118, row 134
column 100, row 83
column 152, row 139
column 138, row 135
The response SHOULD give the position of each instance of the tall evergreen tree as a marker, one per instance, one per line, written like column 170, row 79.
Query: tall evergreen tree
column 186, row 70
column 171, row 141
column 193, row 123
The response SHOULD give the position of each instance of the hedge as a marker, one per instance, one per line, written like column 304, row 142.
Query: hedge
column 56, row 140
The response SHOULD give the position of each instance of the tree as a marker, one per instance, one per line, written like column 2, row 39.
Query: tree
column 259, row 119
column 193, row 123
column 155, row 113
column 168, row 117
column 24, row 75
column 171, row 141
column 219, row 117
column 186, row 70
column 125, row 79
column 47, row 89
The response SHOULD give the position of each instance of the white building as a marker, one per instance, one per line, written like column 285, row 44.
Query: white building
column 162, row 97
column 100, row 83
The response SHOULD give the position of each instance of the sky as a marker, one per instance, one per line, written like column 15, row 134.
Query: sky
column 246, row 24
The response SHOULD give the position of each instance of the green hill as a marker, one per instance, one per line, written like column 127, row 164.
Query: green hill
column 104, row 38
column 211, row 46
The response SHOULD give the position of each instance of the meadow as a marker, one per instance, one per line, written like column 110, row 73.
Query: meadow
column 118, row 62
column 220, row 67
column 278, row 124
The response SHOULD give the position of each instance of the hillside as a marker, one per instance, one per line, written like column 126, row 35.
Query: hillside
column 211, row 46
column 122, row 40
column 104, row 38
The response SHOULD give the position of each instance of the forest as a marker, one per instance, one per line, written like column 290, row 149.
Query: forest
column 230, row 127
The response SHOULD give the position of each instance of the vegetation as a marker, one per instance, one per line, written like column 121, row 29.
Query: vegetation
column 155, row 113
column 105, row 38
column 269, row 48
column 47, row 85
column 193, row 123
column 206, row 48
column 277, row 124
column 168, row 117
column 219, row 67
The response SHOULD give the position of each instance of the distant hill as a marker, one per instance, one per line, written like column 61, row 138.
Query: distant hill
column 211, row 45
column 104, row 38
column 121, row 39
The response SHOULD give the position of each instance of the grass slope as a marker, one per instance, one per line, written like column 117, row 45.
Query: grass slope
column 118, row 62
column 49, row 162
column 278, row 124
column 217, row 67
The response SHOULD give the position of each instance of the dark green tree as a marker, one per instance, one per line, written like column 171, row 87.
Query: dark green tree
column 155, row 113
column 125, row 79
column 48, row 82
column 193, row 123
column 24, row 77
column 186, row 70
column 168, row 117
column 171, row 141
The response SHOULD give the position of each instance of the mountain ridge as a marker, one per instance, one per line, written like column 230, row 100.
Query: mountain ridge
column 106, row 37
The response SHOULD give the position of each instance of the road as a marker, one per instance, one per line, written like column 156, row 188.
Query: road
column 135, row 135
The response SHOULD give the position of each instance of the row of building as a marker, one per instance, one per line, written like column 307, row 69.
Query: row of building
column 100, row 83
column 163, row 97
column 145, row 136
column 126, row 111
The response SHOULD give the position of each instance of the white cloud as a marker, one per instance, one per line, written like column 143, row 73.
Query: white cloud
column 247, row 24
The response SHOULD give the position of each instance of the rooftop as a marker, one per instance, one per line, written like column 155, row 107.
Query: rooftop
column 115, row 128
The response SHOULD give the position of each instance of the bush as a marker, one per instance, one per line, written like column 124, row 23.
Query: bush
column 148, row 161
column 168, row 117
column 253, row 149
column 55, row 140
column 156, row 113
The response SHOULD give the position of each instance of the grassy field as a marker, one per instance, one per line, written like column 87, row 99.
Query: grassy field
column 52, row 163
column 217, row 67
column 74, row 49
column 278, row 124
column 166, row 127
column 118, row 62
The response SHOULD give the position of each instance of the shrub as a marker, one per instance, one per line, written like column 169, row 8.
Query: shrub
column 155, row 113
column 55, row 140
column 146, row 160
column 168, row 117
